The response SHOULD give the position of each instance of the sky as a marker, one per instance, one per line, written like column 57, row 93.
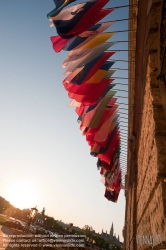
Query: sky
column 45, row 161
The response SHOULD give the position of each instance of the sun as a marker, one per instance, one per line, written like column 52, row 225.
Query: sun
column 22, row 194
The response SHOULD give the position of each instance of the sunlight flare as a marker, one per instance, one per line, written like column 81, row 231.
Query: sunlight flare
column 23, row 194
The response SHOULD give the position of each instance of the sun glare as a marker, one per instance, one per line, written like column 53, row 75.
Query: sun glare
column 22, row 194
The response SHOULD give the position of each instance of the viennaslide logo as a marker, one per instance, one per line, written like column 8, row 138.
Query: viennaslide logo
column 152, row 239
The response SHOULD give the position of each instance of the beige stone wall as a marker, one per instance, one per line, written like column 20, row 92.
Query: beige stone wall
column 146, row 197
column 150, row 203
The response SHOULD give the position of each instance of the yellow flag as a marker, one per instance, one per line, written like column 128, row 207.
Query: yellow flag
column 97, row 77
column 101, row 38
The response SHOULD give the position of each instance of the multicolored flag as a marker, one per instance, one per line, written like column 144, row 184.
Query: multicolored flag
column 60, row 4
column 77, row 19
column 77, row 55
column 60, row 43
column 90, row 68
column 89, row 82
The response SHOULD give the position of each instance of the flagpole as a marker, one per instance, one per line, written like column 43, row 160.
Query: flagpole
column 127, row 41
column 124, row 109
column 118, row 31
column 118, row 50
column 121, row 84
column 121, row 20
column 122, row 6
column 123, row 139
column 123, row 117
column 122, row 78
column 123, row 113
column 114, row 60
column 125, row 136
column 123, row 154
column 123, row 166
column 122, row 96
column 123, row 122
column 123, row 129
column 122, row 103
column 121, row 90
column 123, row 126
column 118, row 69
column 123, row 160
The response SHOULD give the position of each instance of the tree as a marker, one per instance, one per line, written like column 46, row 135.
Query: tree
column 107, row 245
column 116, row 247
column 43, row 211
column 88, row 228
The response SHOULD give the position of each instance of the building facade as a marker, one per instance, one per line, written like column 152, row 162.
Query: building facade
column 145, row 218
column 111, row 237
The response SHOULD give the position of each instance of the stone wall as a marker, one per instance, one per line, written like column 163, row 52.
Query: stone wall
column 150, row 205
column 146, row 196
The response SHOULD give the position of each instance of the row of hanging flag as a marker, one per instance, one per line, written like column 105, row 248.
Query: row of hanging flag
column 89, row 84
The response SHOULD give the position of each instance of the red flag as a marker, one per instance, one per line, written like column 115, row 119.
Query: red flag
column 85, row 87
column 105, row 119
column 113, row 147
column 91, row 16
column 93, row 95
column 58, row 43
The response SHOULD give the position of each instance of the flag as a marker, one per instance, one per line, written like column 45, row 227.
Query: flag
column 123, row 187
column 66, row 14
column 92, row 13
column 94, row 82
column 78, row 58
column 108, row 74
column 107, row 153
column 111, row 195
column 87, row 23
column 103, row 132
column 60, row 4
column 96, row 119
column 72, row 75
column 108, row 112
column 92, row 118
column 102, row 129
column 97, row 77
column 91, row 67
column 74, row 103
column 76, row 12
column 73, row 65
column 92, row 97
column 94, row 79
column 101, row 38
column 86, row 36
column 58, row 43
column 77, row 19
column 85, row 60
column 92, row 106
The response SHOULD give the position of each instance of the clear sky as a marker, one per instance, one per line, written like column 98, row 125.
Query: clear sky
column 41, row 146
